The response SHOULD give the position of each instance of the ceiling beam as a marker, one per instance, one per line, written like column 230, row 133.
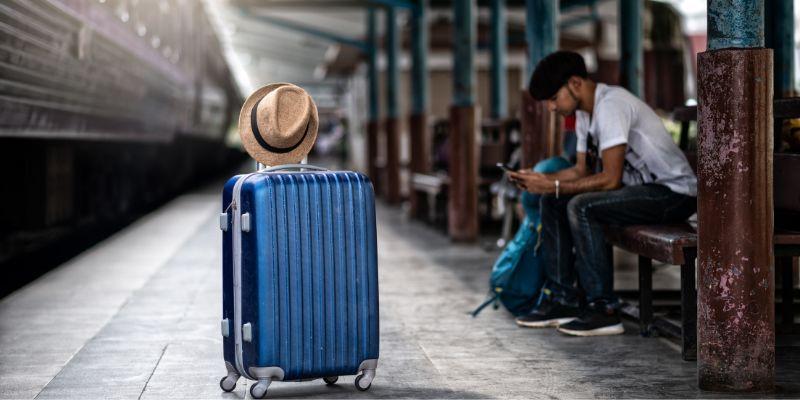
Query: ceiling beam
column 409, row 4
column 258, row 51
column 309, row 30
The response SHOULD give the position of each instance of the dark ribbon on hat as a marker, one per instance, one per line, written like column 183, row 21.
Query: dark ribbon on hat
column 262, row 142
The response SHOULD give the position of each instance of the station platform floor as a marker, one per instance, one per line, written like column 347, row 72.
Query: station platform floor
column 137, row 317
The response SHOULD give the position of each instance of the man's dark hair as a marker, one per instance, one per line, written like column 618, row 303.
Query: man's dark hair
column 553, row 72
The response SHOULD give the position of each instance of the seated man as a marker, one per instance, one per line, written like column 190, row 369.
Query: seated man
column 645, row 179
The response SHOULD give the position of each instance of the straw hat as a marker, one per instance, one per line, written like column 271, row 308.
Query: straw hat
column 278, row 124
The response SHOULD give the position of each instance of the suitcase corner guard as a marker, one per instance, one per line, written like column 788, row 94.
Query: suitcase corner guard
column 274, row 373
column 223, row 221
column 226, row 327
column 247, row 332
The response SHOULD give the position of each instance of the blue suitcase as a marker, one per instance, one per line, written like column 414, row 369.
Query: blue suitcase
column 300, row 278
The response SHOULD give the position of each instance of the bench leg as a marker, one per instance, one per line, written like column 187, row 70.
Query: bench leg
column 645, row 295
column 785, row 264
column 689, row 306
column 433, row 209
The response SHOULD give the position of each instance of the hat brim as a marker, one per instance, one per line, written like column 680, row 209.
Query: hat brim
column 263, row 155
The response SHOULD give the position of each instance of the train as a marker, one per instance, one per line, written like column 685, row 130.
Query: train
column 108, row 108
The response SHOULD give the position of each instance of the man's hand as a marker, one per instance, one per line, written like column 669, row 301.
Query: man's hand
column 533, row 182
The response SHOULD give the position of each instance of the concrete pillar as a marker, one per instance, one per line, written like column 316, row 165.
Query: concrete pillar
column 630, row 44
column 391, row 123
column 462, row 221
column 420, row 141
column 373, row 117
column 736, row 322
column 499, row 96
column 541, row 33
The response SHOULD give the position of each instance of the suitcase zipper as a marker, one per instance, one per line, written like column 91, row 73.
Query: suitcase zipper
column 237, row 275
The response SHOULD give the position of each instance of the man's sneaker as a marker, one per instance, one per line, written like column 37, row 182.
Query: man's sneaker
column 548, row 314
column 597, row 320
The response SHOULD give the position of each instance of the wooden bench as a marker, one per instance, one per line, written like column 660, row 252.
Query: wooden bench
column 434, row 187
column 677, row 244
column 429, row 190
column 672, row 244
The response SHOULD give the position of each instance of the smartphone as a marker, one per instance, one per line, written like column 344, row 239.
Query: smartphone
column 505, row 167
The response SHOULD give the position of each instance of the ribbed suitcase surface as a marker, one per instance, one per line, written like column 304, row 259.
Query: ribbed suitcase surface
column 308, row 273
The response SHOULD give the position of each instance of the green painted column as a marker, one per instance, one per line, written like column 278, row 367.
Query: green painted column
column 541, row 34
column 373, row 113
column 779, row 36
column 464, row 43
column 419, row 54
column 499, row 94
column 630, row 44
column 419, row 140
column 462, row 223
column 391, row 123
column 372, row 72
column 392, row 45
column 541, row 30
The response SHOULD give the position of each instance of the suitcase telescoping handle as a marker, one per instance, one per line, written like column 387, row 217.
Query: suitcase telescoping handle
column 298, row 167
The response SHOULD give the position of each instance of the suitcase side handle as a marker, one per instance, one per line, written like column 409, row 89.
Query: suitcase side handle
column 298, row 167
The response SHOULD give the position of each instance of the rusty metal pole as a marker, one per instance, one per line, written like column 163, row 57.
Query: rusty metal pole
column 736, row 321
column 392, row 124
column 373, row 120
column 419, row 139
column 541, row 33
column 462, row 224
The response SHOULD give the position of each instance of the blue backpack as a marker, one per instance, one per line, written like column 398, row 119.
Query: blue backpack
column 518, row 274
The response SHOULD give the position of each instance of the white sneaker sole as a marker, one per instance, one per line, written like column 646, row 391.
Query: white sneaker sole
column 617, row 329
column 550, row 323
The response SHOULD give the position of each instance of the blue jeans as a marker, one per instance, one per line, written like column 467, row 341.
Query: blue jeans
column 577, row 221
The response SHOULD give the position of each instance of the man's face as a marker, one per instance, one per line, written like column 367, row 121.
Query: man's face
column 564, row 102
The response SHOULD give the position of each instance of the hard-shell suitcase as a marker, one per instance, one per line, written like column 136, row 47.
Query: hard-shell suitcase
column 300, row 284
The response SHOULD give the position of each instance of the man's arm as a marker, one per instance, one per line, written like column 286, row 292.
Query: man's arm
column 609, row 179
column 577, row 171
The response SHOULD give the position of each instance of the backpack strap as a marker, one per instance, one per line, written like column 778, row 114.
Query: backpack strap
column 493, row 297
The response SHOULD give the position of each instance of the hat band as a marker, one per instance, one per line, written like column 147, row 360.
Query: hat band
column 262, row 142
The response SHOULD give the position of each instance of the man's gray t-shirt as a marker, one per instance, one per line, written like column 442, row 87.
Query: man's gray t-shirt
column 651, row 156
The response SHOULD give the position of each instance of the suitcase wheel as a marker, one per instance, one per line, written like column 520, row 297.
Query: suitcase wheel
column 228, row 383
column 259, row 390
column 330, row 380
column 364, row 381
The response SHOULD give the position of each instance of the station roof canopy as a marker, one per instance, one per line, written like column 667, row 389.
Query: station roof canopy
column 315, row 42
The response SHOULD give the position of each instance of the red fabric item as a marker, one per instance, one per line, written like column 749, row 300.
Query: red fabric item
column 569, row 123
